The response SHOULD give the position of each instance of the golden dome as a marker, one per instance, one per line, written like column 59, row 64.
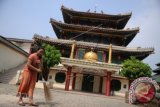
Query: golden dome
column 90, row 56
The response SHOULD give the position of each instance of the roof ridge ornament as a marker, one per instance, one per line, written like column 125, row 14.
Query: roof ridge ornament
column 70, row 9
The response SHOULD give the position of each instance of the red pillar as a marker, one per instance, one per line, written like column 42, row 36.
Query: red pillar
column 108, row 83
column 129, row 83
column 68, row 78
column 74, row 81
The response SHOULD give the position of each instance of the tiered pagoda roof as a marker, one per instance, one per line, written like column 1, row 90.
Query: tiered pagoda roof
column 98, row 31
column 158, row 69
column 138, row 52
column 104, row 35
column 156, row 77
column 158, row 64
column 94, row 19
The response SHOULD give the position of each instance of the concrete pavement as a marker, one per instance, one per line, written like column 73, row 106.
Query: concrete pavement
column 61, row 98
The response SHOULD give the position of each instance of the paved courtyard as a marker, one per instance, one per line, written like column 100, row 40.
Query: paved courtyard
column 61, row 98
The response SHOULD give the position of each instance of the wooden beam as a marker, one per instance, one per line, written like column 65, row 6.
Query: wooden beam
column 94, row 33
column 104, row 20
column 68, row 13
column 72, row 50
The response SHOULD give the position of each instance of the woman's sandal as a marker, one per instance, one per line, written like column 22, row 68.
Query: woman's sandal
column 21, row 103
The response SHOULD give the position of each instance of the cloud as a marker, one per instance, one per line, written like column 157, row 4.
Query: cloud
column 149, row 36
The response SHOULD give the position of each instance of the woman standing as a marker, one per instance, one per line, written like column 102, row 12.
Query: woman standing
column 29, row 77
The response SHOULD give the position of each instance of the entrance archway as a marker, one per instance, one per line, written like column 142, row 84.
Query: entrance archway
column 87, row 83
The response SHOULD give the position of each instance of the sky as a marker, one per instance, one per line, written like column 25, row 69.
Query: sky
column 24, row 18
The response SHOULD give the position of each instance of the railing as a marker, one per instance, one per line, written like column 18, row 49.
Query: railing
column 90, row 65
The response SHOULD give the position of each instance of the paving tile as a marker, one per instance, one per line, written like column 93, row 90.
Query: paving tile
column 61, row 98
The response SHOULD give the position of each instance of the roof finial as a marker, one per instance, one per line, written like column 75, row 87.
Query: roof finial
column 88, row 10
column 102, row 11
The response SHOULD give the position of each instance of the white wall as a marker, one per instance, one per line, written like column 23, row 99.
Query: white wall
column 78, row 83
column 55, row 84
column 104, row 85
column 9, row 58
column 120, row 92
column 123, row 90
column 79, row 80
column 96, row 84
column 24, row 46
column 59, row 85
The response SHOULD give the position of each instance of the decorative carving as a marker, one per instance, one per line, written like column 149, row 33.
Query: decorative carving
column 96, row 67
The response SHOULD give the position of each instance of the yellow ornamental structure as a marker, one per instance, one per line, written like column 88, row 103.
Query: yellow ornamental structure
column 91, row 56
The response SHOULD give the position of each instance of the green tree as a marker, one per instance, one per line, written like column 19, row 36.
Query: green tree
column 51, row 57
column 134, row 68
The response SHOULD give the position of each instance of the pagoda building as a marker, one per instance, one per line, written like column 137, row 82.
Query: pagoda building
column 93, row 46
column 156, row 76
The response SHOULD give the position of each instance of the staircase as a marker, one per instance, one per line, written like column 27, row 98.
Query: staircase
column 9, row 76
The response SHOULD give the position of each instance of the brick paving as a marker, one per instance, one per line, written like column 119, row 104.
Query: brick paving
column 61, row 98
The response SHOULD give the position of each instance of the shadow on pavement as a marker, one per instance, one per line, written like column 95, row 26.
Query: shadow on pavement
column 47, row 104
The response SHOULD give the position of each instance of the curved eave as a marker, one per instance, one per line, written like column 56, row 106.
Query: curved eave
column 158, row 64
column 127, row 35
column 120, row 19
column 140, row 53
column 98, row 15
column 157, row 70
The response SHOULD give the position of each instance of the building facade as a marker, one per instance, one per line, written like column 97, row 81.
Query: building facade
column 93, row 46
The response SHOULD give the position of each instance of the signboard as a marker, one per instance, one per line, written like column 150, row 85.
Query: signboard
column 143, row 90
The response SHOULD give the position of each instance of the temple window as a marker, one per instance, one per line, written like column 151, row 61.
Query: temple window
column 100, row 56
column 116, row 59
column 60, row 77
column 50, row 76
column 81, row 53
column 66, row 53
column 124, row 86
column 119, row 59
